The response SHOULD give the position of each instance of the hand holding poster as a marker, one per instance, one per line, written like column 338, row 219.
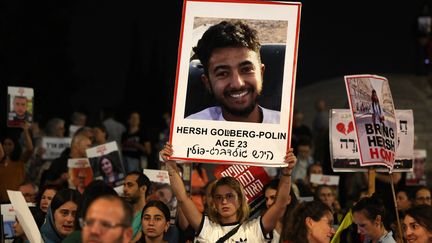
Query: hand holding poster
column 234, row 128
column 373, row 111
column 105, row 160
column 20, row 106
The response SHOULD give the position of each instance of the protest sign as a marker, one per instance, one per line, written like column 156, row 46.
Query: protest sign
column 20, row 106
column 224, row 138
column 343, row 142
column 417, row 177
column 106, row 163
column 161, row 190
column 80, row 173
column 8, row 217
column 252, row 178
column 54, row 146
column 374, row 119
column 24, row 216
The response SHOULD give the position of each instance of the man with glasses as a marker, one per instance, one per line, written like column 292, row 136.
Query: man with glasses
column 108, row 219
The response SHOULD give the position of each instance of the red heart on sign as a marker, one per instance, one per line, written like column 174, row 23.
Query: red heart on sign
column 350, row 127
column 341, row 128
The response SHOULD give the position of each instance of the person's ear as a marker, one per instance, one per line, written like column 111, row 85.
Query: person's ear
column 309, row 222
column 378, row 220
column 262, row 71
column 167, row 226
column 143, row 189
column 127, row 234
column 206, row 83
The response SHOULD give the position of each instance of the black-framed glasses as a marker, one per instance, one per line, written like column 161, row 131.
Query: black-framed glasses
column 103, row 224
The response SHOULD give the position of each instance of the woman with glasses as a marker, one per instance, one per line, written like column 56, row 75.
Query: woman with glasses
column 417, row 224
column 228, row 209
column 60, row 218
column 155, row 222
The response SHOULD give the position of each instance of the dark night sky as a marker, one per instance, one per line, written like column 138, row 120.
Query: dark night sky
column 88, row 55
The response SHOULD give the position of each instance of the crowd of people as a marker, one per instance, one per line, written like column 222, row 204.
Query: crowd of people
column 296, row 208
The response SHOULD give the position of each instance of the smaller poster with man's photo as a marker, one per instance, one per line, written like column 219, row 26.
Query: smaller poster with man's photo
column 20, row 106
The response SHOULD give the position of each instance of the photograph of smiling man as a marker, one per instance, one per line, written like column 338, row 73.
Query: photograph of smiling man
column 235, row 82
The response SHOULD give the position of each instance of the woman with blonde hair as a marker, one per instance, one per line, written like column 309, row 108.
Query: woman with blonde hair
column 228, row 210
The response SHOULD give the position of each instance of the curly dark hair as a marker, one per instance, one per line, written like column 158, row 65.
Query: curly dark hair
column 226, row 34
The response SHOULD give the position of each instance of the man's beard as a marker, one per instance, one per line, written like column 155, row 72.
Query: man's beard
column 243, row 112
column 132, row 200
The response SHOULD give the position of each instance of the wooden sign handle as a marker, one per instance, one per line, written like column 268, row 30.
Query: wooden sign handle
column 371, row 187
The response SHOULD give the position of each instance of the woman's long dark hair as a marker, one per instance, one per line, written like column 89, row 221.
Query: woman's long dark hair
column 296, row 230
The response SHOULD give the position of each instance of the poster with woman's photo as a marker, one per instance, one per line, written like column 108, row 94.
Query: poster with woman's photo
column 106, row 162
column 225, row 110
column 372, row 108
column 20, row 106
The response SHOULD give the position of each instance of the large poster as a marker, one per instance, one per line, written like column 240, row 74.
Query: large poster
column 372, row 108
column 343, row 142
column 20, row 106
column 252, row 97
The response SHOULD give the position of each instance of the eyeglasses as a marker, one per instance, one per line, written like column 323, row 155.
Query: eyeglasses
column 220, row 198
column 104, row 225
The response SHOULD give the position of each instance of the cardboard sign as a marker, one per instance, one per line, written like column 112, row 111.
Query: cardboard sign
column 219, row 139
column 343, row 142
column 373, row 113
column 106, row 163
column 80, row 173
column 24, row 216
column 20, row 106
column 54, row 146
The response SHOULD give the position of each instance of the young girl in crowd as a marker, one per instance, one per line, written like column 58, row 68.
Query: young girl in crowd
column 155, row 222
column 228, row 210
